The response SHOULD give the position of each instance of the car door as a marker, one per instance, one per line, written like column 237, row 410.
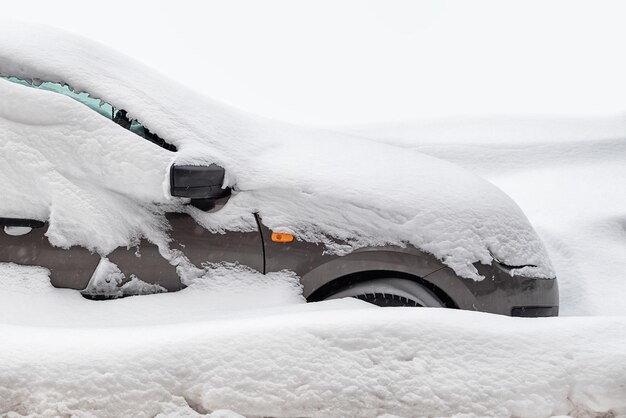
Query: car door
column 198, row 244
column 69, row 268
column 74, row 267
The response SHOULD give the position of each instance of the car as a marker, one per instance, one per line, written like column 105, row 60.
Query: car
column 384, row 273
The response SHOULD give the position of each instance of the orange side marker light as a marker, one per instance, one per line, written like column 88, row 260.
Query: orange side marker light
column 281, row 237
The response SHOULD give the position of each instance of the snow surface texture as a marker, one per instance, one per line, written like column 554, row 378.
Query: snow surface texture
column 103, row 187
column 569, row 177
column 29, row 300
column 331, row 359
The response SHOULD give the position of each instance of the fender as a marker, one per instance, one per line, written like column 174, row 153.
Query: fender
column 317, row 269
column 391, row 259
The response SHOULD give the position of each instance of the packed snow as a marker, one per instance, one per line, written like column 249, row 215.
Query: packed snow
column 236, row 342
column 297, row 179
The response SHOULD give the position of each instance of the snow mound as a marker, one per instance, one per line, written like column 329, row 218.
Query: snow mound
column 237, row 342
column 344, row 360
column 216, row 292
column 103, row 187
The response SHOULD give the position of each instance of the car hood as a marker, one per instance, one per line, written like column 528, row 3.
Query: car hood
column 339, row 190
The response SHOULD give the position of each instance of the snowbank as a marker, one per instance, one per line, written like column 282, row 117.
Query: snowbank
column 569, row 177
column 78, row 168
column 240, row 341
column 28, row 299
column 331, row 359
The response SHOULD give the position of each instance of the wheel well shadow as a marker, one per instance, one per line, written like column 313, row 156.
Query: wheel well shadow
column 343, row 282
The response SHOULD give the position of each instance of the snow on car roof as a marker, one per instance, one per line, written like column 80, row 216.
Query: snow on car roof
column 101, row 187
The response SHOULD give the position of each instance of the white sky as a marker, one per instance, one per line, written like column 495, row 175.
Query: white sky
column 352, row 62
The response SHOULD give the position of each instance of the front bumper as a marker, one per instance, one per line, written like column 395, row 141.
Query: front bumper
column 499, row 292
column 534, row 311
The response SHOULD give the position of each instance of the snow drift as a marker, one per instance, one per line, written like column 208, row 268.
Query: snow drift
column 102, row 187
column 189, row 353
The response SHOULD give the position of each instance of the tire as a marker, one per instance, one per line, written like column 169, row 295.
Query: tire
column 391, row 292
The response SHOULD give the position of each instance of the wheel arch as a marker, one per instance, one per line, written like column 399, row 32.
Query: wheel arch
column 379, row 262
column 339, row 283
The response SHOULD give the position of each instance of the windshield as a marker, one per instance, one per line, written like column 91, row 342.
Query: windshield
column 107, row 110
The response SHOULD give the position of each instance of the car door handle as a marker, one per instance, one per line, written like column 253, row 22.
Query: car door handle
column 24, row 223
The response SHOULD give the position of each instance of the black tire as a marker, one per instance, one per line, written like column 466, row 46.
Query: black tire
column 390, row 292
column 387, row 300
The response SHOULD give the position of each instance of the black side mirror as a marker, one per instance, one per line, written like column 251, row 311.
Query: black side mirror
column 198, row 182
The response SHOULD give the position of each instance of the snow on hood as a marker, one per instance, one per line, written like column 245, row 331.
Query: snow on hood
column 101, row 186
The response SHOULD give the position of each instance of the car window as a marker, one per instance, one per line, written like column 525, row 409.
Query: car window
column 105, row 109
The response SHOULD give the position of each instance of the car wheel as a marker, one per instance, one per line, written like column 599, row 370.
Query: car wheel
column 391, row 292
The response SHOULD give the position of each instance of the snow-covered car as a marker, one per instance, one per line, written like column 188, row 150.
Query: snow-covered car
column 112, row 174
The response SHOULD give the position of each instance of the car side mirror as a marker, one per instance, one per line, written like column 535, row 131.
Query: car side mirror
column 198, row 182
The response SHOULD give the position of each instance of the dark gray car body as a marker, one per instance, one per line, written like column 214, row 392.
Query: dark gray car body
column 321, row 274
